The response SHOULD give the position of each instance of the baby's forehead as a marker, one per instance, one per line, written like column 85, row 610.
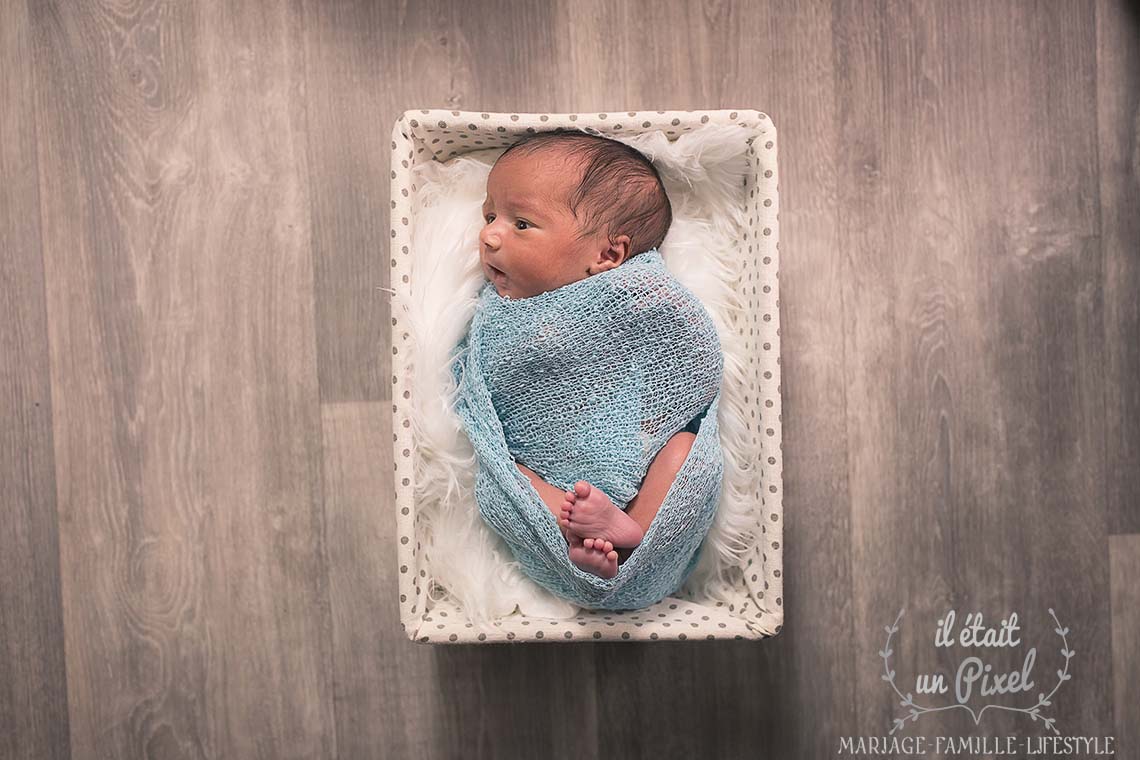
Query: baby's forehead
column 549, row 157
column 550, row 166
column 530, row 183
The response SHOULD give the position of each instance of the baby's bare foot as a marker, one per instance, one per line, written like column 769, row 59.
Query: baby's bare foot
column 587, row 513
column 599, row 558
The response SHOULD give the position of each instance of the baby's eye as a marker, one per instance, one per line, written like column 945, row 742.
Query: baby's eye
column 490, row 217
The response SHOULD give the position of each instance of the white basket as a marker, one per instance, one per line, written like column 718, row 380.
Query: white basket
column 439, row 135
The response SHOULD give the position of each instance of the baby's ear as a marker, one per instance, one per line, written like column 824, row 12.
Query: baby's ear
column 603, row 265
column 619, row 251
column 615, row 254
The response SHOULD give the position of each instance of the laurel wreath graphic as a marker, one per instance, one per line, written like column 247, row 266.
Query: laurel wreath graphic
column 916, row 710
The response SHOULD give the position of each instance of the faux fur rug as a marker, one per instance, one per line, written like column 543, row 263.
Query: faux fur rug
column 704, row 172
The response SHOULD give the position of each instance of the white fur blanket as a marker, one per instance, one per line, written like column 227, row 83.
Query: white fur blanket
column 703, row 172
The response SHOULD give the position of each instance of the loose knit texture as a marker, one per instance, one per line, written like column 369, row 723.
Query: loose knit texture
column 588, row 382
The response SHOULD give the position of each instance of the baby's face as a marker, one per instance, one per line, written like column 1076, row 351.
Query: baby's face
column 528, row 244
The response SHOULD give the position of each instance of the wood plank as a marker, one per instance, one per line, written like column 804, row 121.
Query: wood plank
column 1124, row 559
column 33, row 701
column 1118, row 132
column 975, row 346
column 187, row 428
column 809, row 669
column 350, row 53
column 384, row 682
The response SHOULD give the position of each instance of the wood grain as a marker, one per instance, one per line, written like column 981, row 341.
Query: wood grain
column 1118, row 133
column 34, row 696
column 975, row 389
column 1124, row 560
column 179, row 272
column 782, row 683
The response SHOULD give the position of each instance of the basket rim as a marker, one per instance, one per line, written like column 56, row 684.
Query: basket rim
column 436, row 131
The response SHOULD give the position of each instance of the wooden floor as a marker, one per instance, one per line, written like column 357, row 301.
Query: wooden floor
column 196, row 548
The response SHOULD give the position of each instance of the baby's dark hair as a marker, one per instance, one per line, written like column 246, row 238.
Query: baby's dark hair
column 620, row 191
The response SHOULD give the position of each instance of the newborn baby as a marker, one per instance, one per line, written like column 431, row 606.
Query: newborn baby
column 562, row 206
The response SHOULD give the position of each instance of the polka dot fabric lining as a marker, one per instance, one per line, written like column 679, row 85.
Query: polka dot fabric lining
column 439, row 135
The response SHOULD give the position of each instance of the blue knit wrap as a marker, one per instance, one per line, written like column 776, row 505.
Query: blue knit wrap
column 588, row 382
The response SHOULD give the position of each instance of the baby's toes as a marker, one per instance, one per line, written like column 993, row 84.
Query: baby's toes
column 609, row 566
column 600, row 544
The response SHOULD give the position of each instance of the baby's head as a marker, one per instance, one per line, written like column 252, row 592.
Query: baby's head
column 564, row 205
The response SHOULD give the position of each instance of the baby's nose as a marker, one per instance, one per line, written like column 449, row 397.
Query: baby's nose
column 489, row 239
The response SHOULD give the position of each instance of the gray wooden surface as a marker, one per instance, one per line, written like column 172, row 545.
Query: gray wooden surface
column 196, row 550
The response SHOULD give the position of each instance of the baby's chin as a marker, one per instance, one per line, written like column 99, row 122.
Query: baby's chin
column 504, row 290
column 498, row 281
column 508, row 289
